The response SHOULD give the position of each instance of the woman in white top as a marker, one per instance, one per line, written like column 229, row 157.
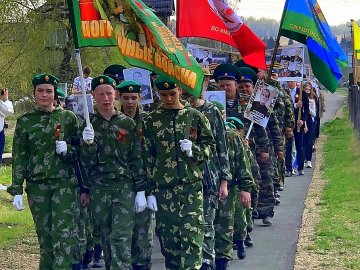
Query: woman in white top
column 6, row 108
column 309, row 137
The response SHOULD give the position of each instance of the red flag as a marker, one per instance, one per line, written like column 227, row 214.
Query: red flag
column 215, row 20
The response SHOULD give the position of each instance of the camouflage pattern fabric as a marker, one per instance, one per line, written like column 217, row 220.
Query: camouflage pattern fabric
column 240, row 221
column 113, row 211
column 180, row 222
column 210, row 206
column 51, row 184
column 177, row 180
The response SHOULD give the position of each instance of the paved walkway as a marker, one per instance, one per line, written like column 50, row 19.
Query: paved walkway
column 275, row 246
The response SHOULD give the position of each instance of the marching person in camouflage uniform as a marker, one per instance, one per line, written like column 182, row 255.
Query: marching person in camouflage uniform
column 266, row 199
column 227, row 75
column 42, row 157
column 178, row 140
column 216, row 176
column 239, row 191
column 143, row 232
column 110, row 153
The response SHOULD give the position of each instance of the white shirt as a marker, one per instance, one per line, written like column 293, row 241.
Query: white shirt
column 6, row 108
column 293, row 94
column 312, row 107
column 87, row 83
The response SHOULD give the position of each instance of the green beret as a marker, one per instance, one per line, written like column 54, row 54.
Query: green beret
column 115, row 70
column 247, row 75
column 226, row 72
column 230, row 125
column 102, row 79
column 129, row 87
column 60, row 93
column 45, row 79
column 241, row 63
column 165, row 83
column 236, row 122
column 218, row 105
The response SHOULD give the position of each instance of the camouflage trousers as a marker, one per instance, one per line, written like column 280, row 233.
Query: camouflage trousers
column 255, row 170
column 266, row 201
column 210, row 205
column 279, row 170
column 85, row 231
column 55, row 208
column 113, row 212
column 240, row 221
column 224, row 225
column 180, row 225
column 142, row 238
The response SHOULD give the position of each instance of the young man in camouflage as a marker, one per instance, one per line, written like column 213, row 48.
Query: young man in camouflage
column 143, row 232
column 239, row 191
column 216, row 176
column 43, row 158
column 178, row 140
column 111, row 156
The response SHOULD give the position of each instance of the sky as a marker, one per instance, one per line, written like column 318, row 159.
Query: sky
column 336, row 11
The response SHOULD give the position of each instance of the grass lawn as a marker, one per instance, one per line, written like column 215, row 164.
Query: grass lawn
column 339, row 229
column 14, row 225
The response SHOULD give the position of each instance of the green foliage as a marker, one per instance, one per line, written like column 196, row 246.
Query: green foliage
column 339, row 230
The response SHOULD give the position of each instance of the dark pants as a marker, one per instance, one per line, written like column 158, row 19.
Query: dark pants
column 288, row 154
column 299, row 143
column 2, row 144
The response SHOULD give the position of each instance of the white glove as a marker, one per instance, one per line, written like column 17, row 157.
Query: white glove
column 186, row 146
column 61, row 148
column 88, row 135
column 18, row 202
column 140, row 201
column 151, row 203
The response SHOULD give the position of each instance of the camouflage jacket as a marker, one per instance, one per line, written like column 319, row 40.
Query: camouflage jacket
column 239, row 162
column 166, row 164
column 114, row 156
column 258, row 134
column 275, row 134
column 289, row 117
column 34, row 156
column 218, row 168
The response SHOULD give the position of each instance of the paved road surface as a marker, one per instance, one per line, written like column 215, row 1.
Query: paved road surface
column 275, row 246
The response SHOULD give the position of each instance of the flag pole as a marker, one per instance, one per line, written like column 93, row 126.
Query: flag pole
column 277, row 45
column 300, row 109
column 354, row 62
column 82, row 85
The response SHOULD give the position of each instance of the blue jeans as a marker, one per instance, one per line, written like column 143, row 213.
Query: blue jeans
column 2, row 144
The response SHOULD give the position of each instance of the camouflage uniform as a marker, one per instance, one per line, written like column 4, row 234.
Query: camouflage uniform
column 115, row 171
column 242, row 181
column 217, row 169
column 143, row 232
column 258, row 140
column 177, row 181
column 51, row 185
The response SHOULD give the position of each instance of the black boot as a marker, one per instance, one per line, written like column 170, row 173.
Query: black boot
column 76, row 266
column 240, row 249
column 97, row 257
column 222, row 264
column 248, row 241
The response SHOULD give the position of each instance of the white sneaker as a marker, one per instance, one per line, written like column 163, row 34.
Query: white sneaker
column 309, row 165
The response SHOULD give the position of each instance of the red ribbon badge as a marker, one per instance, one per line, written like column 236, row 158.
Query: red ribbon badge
column 57, row 131
column 121, row 137
column 193, row 133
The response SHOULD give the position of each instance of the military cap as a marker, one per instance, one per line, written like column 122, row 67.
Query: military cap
column 218, row 105
column 230, row 125
column 226, row 72
column 44, row 78
column 236, row 122
column 165, row 83
column 129, row 87
column 241, row 63
column 60, row 93
column 102, row 79
column 247, row 75
column 115, row 70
